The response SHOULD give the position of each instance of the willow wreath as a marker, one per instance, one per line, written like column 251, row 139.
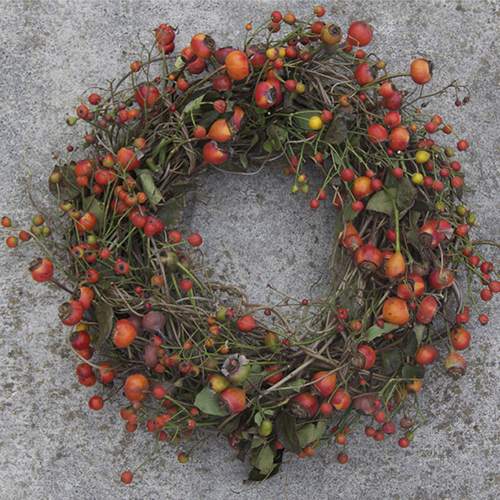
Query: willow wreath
column 189, row 357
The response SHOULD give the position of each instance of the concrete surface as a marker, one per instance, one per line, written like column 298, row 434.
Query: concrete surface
column 51, row 445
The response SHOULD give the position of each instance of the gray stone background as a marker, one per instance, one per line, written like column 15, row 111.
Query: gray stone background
column 52, row 446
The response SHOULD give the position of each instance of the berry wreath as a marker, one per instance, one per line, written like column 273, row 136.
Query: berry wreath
column 188, row 356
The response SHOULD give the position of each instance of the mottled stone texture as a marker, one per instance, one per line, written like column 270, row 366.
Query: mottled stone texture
column 52, row 446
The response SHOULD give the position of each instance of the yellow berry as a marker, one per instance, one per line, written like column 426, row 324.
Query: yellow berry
column 417, row 179
column 300, row 88
column 422, row 157
column 315, row 122
column 272, row 54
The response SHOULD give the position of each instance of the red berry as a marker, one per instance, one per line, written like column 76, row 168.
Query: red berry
column 370, row 431
column 96, row 403
column 389, row 428
column 186, row 285
column 483, row 319
column 357, row 206
column 326, row 408
column 347, row 175
column 127, row 477
column 314, row 204
column 403, row 442
column 398, row 173
column 195, row 240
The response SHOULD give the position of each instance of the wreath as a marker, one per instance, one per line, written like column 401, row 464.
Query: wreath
column 187, row 357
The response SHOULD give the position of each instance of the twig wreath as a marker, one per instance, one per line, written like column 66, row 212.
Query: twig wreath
column 150, row 328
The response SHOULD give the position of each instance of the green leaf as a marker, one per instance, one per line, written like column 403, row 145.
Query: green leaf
column 337, row 131
column 193, row 104
column 287, row 432
column 405, row 195
column 292, row 387
column 302, row 118
column 276, row 144
column 309, row 433
column 271, row 131
column 180, row 188
column 233, row 424
column 149, row 186
column 179, row 63
column 348, row 214
column 244, row 160
column 97, row 208
column 419, row 330
column 268, row 146
column 282, row 134
column 262, row 458
column 68, row 188
column 256, row 442
column 391, row 360
column 260, row 111
column 381, row 202
column 289, row 99
column 171, row 213
column 255, row 140
column 105, row 321
column 258, row 418
column 353, row 139
column 375, row 331
column 411, row 346
column 410, row 371
column 208, row 118
column 422, row 205
column 256, row 475
column 412, row 234
column 209, row 404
